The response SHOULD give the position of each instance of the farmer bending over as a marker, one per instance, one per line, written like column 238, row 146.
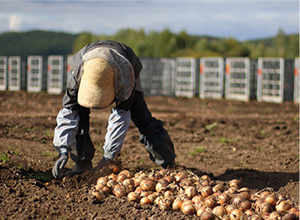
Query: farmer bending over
column 103, row 73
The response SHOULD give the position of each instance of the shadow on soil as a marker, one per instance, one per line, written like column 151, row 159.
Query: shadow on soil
column 254, row 179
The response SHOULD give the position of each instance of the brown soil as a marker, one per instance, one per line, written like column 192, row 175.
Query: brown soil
column 255, row 142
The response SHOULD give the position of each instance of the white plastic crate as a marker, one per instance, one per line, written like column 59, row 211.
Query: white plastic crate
column 297, row 80
column 151, row 76
column 168, row 68
column 211, row 77
column 14, row 73
column 34, row 73
column 55, row 74
column 3, row 73
column 270, row 79
column 237, row 79
column 185, row 85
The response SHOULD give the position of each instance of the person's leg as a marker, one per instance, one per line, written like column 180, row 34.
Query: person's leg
column 152, row 133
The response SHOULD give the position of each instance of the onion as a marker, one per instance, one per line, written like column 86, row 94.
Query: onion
column 154, row 176
column 265, row 208
column 229, row 208
column 232, row 190
column 152, row 197
column 133, row 196
column 186, row 182
column 207, row 215
column 112, row 176
column 236, row 214
column 96, row 197
column 97, row 188
column 170, row 178
column 151, row 176
column 235, row 183
column 245, row 195
column 141, row 174
column 254, row 217
column 237, row 200
column 265, row 215
column 161, row 185
column 188, row 207
column 107, row 190
column 190, row 192
column 295, row 211
column 249, row 212
column 157, row 200
column 283, row 206
column 264, row 194
column 157, row 176
column 129, row 185
column 200, row 211
column 168, row 193
column 219, row 211
column 115, row 168
column 244, row 189
column 172, row 187
column 137, row 180
column 145, row 201
column 121, row 177
column 206, row 191
column 165, row 203
column 290, row 215
column 119, row 191
column 271, row 199
column 205, row 183
column 180, row 176
column 218, row 188
column 258, row 203
column 210, row 202
column 177, row 204
column 126, row 173
column 138, row 190
column 224, row 198
column 205, row 177
column 199, row 205
column 197, row 198
column 102, row 181
column 111, row 183
column 245, row 205
column 274, row 215
column 145, row 193
column 148, row 185
column 163, row 172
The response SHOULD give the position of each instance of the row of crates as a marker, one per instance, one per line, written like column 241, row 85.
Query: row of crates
column 238, row 78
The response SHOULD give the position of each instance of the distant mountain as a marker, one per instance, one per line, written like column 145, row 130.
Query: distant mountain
column 36, row 42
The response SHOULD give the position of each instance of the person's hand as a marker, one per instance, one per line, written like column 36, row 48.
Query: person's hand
column 59, row 164
column 103, row 162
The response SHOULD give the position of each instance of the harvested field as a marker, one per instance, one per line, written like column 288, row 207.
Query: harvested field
column 257, row 143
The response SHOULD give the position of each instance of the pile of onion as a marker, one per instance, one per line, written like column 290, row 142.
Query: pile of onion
column 193, row 195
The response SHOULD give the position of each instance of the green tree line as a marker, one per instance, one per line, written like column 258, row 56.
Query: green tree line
column 152, row 44
column 36, row 43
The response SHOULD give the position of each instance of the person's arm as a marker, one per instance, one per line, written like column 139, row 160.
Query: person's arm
column 118, row 124
column 64, row 139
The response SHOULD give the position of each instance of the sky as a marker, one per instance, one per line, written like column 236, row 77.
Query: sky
column 240, row 19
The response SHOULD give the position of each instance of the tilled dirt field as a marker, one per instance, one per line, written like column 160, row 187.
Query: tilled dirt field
column 254, row 142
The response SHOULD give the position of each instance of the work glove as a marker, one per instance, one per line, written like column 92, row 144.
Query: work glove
column 59, row 164
column 103, row 163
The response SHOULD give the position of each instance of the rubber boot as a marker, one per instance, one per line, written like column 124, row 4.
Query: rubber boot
column 80, row 168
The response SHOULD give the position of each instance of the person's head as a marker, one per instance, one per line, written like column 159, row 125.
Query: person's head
column 96, row 89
